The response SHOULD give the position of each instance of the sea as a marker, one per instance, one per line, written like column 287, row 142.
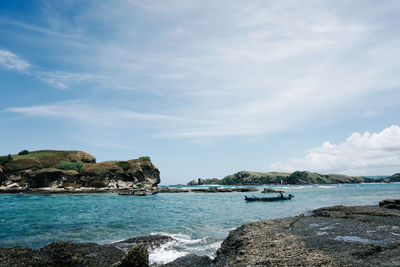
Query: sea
column 198, row 222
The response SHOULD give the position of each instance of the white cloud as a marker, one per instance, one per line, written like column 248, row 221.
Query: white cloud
column 99, row 117
column 63, row 80
column 360, row 154
column 11, row 61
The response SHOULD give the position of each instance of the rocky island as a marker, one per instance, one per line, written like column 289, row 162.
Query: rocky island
column 59, row 170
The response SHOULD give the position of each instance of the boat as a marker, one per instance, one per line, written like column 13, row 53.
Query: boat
column 278, row 198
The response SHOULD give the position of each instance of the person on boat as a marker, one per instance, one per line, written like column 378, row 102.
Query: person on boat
column 281, row 194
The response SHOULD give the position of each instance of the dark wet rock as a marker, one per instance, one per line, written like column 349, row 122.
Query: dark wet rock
column 333, row 236
column 18, row 256
column 190, row 260
column 150, row 241
column 137, row 256
column 79, row 254
column 390, row 204
column 61, row 254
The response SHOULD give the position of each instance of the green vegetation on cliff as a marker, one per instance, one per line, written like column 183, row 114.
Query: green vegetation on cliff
column 392, row 179
column 58, row 168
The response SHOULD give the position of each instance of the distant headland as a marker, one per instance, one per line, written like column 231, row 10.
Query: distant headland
column 297, row 177
column 60, row 170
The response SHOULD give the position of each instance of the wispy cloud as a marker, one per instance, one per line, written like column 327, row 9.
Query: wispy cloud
column 63, row 80
column 57, row 79
column 11, row 61
column 360, row 154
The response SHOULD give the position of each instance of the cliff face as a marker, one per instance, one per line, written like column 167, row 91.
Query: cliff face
column 298, row 177
column 51, row 168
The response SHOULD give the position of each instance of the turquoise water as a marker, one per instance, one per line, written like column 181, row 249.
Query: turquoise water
column 199, row 221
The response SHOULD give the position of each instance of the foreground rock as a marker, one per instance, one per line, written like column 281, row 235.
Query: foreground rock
column 61, row 254
column 333, row 236
column 130, row 252
column 190, row 261
column 138, row 256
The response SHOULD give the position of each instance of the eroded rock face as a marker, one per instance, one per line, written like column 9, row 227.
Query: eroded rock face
column 334, row 236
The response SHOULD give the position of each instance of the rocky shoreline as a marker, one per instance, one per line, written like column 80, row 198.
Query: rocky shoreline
column 87, row 190
column 331, row 236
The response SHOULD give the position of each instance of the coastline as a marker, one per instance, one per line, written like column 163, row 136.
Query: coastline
column 87, row 190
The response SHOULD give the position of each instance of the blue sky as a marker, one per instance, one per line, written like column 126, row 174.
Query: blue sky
column 205, row 88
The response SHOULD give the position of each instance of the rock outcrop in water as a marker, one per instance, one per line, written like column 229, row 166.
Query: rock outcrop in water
column 74, row 169
column 333, row 236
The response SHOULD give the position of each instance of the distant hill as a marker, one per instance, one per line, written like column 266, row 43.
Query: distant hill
column 60, row 169
column 393, row 178
column 297, row 177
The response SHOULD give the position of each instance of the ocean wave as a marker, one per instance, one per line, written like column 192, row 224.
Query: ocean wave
column 326, row 186
column 182, row 245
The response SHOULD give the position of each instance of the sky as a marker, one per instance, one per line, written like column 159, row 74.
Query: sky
column 205, row 88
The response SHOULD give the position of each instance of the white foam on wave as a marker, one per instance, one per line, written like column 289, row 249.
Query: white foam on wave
column 181, row 245
column 327, row 186
column 165, row 254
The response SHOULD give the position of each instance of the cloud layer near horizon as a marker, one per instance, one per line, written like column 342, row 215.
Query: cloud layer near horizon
column 360, row 154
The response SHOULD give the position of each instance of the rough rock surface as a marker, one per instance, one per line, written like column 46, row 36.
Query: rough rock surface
column 333, row 236
column 190, row 260
column 136, row 257
column 61, row 254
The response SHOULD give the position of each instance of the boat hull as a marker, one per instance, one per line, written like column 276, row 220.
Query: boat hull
column 268, row 199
